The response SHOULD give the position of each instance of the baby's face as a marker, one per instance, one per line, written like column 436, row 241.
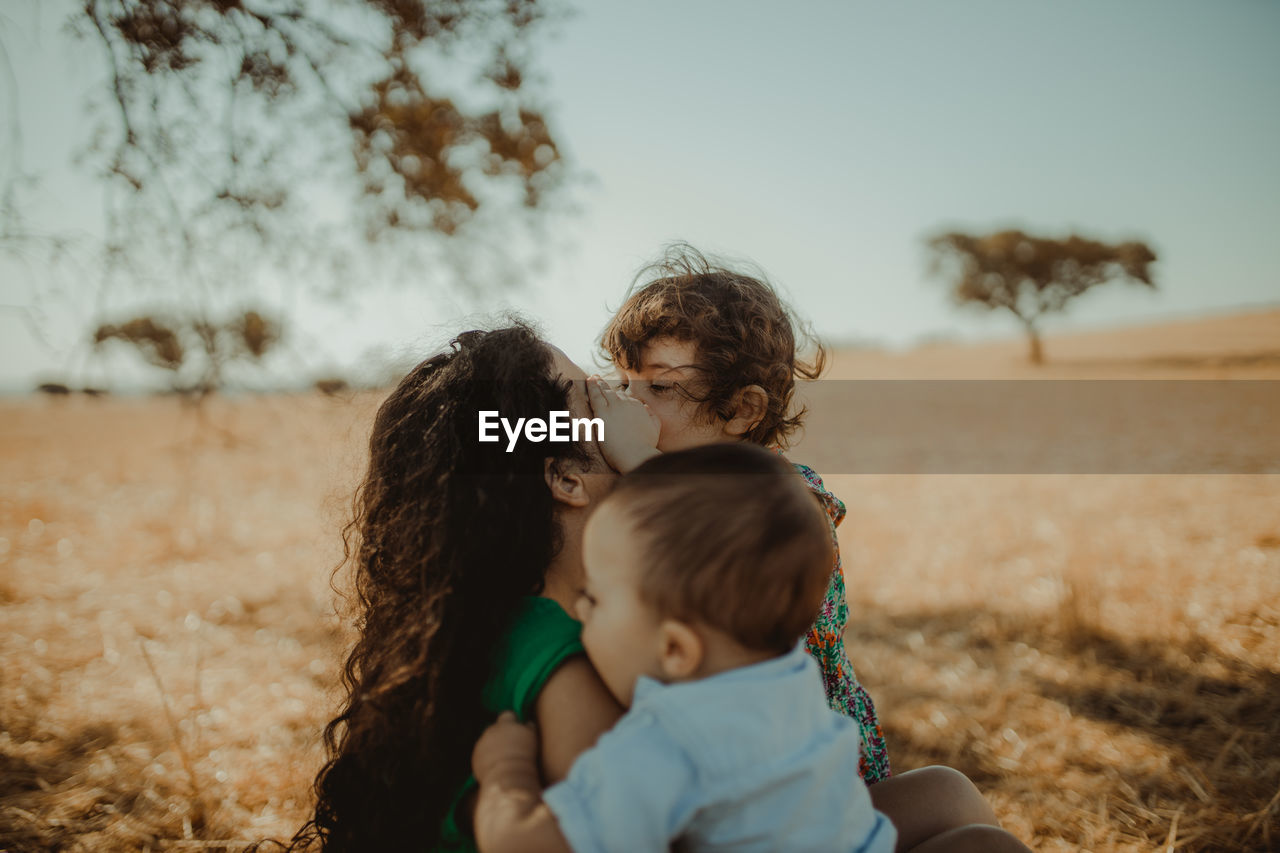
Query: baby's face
column 664, row 363
column 620, row 632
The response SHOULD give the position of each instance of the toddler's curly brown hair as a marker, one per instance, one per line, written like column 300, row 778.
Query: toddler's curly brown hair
column 743, row 334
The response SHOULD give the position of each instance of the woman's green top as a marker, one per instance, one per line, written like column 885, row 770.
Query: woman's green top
column 541, row 638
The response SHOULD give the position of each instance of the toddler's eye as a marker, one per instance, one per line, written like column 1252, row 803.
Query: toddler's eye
column 659, row 389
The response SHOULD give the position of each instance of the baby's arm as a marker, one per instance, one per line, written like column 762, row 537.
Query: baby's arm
column 630, row 429
column 634, row 790
column 510, row 814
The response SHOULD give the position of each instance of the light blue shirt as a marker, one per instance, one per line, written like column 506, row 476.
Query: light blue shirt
column 751, row 759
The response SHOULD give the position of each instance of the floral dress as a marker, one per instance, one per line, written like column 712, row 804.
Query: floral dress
column 825, row 641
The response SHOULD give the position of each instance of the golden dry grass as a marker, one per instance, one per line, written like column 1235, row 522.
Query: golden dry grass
column 1100, row 653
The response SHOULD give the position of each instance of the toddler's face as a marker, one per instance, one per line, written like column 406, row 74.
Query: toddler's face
column 664, row 363
column 620, row 632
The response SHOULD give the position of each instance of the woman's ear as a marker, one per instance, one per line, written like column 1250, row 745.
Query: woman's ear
column 566, row 483
column 680, row 650
column 750, row 405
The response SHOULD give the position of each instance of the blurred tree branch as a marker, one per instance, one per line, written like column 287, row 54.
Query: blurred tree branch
column 312, row 138
column 173, row 63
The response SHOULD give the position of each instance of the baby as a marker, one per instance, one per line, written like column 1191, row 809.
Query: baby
column 704, row 568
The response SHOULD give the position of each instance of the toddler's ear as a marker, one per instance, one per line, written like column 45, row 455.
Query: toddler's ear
column 750, row 405
column 680, row 650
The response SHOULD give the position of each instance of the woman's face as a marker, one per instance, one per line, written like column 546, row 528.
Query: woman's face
column 599, row 476
column 564, row 367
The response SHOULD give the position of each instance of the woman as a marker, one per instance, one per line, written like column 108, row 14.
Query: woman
column 466, row 558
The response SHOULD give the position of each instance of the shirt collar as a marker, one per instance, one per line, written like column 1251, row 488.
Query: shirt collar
column 773, row 667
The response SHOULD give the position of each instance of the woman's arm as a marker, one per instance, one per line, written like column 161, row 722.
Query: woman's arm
column 572, row 711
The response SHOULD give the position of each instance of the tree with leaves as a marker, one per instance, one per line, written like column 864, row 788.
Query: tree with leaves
column 1033, row 276
column 309, row 140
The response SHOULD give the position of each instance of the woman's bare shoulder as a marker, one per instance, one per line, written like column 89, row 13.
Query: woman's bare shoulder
column 572, row 711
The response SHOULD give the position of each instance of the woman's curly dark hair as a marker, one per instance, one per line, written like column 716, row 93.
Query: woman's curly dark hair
column 448, row 535
column 744, row 334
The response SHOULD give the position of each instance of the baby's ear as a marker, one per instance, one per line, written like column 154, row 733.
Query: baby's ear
column 749, row 407
column 680, row 650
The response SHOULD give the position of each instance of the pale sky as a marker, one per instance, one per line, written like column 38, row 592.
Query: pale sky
column 822, row 141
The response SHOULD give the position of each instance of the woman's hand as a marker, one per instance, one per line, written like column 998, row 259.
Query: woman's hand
column 630, row 429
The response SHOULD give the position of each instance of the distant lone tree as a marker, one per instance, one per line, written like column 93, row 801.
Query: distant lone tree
column 1033, row 276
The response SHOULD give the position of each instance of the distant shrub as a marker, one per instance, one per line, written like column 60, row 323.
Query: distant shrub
column 332, row 386
column 194, row 349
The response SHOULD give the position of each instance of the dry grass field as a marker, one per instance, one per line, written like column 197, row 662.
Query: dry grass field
column 1100, row 653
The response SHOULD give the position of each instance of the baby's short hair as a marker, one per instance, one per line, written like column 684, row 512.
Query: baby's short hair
column 732, row 538
column 744, row 334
